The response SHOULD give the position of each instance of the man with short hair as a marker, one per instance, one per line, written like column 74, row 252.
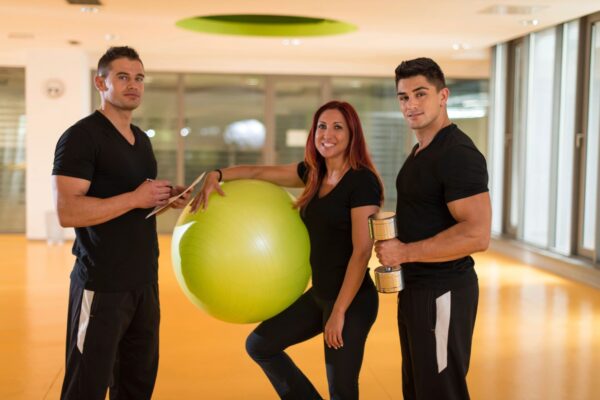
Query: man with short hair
column 443, row 216
column 104, row 186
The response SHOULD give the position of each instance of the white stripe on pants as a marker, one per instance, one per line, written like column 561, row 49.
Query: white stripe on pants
column 84, row 317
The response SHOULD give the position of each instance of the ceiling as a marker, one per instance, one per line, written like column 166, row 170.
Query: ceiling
column 389, row 31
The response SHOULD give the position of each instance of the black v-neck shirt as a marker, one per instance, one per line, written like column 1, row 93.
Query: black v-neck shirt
column 448, row 169
column 120, row 254
column 329, row 224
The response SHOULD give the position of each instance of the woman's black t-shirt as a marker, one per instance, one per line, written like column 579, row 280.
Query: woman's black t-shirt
column 329, row 226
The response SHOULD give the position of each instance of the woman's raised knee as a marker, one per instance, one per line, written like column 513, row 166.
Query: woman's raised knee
column 258, row 348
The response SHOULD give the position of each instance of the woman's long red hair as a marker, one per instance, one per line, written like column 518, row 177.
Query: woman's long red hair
column 356, row 153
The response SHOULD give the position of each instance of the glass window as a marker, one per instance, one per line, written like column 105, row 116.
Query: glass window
column 497, row 133
column 225, row 123
column 538, row 145
column 566, row 139
column 12, row 150
column 518, row 124
column 296, row 100
column 468, row 108
column 591, row 153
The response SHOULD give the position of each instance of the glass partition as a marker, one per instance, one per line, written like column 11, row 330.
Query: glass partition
column 295, row 102
column 12, row 150
column 539, row 134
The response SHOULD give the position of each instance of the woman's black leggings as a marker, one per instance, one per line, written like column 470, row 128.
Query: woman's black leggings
column 303, row 320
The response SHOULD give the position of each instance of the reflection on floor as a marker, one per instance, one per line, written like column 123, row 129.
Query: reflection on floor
column 536, row 336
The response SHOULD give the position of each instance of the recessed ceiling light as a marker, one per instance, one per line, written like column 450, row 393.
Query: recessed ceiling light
column 110, row 36
column 461, row 46
column 530, row 22
column 74, row 42
column 291, row 42
column 89, row 10
column 20, row 35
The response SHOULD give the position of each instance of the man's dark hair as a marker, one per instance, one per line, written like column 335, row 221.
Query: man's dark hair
column 421, row 66
column 114, row 53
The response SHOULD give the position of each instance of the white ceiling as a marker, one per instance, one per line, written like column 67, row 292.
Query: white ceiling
column 389, row 31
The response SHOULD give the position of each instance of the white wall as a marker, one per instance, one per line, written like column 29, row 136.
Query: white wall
column 47, row 119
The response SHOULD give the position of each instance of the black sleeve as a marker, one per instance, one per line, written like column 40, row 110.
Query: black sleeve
column 463, row 172
column 74, row 155
column 302, row 171
column 366, row 190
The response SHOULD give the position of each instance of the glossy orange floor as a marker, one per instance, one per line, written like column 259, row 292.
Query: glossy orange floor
column 537, row 336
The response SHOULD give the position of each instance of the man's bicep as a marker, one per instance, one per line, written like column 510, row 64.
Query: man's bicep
column 476, row 208
column 70, row 186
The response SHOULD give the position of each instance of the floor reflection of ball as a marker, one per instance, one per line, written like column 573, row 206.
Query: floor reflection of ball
column 245, row 258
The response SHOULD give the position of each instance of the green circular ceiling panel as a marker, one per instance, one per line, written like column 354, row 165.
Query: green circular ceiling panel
column 265, row 25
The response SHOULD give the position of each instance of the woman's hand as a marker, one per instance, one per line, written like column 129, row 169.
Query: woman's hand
column 211, row 183
column 333, row 330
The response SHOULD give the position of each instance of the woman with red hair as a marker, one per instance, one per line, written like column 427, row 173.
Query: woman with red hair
column 341, row 189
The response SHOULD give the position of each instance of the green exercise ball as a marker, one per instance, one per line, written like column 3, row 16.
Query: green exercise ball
column 246, row 257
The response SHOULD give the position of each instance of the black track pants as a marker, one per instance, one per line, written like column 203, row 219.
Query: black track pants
column 112, row 340
column 436, row 331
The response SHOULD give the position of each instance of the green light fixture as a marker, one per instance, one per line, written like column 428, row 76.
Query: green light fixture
column 266, row 25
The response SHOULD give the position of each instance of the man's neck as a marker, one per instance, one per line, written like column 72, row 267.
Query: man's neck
column 426, row 135
column 121, row 119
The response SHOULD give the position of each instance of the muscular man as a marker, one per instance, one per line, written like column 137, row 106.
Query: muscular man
column 443, row 215
column 104, row 185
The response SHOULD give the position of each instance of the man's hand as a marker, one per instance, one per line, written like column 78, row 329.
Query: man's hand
column 391, row 252
column 152, row 193
column 183, row 200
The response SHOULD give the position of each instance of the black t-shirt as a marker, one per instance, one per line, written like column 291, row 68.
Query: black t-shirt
column 450, row 168
column 120, row 254
column 329, row 226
